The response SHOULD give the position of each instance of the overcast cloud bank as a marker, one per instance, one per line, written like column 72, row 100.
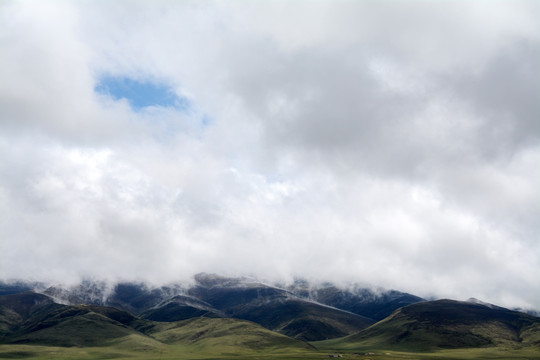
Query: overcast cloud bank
column 387, row 143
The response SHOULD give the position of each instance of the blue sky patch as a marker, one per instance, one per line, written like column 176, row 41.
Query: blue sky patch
column 140, row 94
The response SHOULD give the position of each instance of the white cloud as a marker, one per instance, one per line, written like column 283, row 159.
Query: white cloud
column 393, row 144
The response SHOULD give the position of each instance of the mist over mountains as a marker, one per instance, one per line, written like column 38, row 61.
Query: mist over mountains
column 225, row 317
column 301, row 310
column 350, row 296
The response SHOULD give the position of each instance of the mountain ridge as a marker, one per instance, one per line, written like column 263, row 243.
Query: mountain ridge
column 34, row 319
column 210, row 295
column 228, row 318
column 309, row 312
column 447, row 324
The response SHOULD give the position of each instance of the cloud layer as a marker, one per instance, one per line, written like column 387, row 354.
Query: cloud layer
column 389, row 143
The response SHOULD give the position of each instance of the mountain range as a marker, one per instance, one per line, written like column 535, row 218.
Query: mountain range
column 253, row 315
column 299, row 310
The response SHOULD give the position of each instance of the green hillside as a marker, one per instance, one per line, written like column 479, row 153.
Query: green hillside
column 31, row 318
column 34, row 327
column 445, row 324
column 225, row 336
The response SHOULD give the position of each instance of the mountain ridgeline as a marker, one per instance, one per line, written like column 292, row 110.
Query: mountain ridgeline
column 238, row 314
column 447, row 324
column 301, row 311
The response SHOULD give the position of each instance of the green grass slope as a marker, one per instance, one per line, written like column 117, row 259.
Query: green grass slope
column 86, row 329
column 225, row 336
column 35, row 319
column 36, row 327
column 445, row 324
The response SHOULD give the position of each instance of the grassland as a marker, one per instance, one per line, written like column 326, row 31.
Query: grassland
column 137, row 348
column 199, row 338
column 360, row 351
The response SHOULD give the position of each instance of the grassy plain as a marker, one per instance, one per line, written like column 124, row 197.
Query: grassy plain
column 124, row 350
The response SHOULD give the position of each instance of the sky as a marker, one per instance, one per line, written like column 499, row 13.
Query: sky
column 385, row 143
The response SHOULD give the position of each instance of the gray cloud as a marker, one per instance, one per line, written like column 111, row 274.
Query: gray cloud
column 392, row 144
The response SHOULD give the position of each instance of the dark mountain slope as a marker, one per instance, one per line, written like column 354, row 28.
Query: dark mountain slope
column 276, row 309
column 358, row 300
column 304, row 320
column 216, row 296
column 231, row 296
column 34, row 319
column 448, row 324
column 179, row 308
column 134, row 298
column 21, row 310
column 14, row 287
